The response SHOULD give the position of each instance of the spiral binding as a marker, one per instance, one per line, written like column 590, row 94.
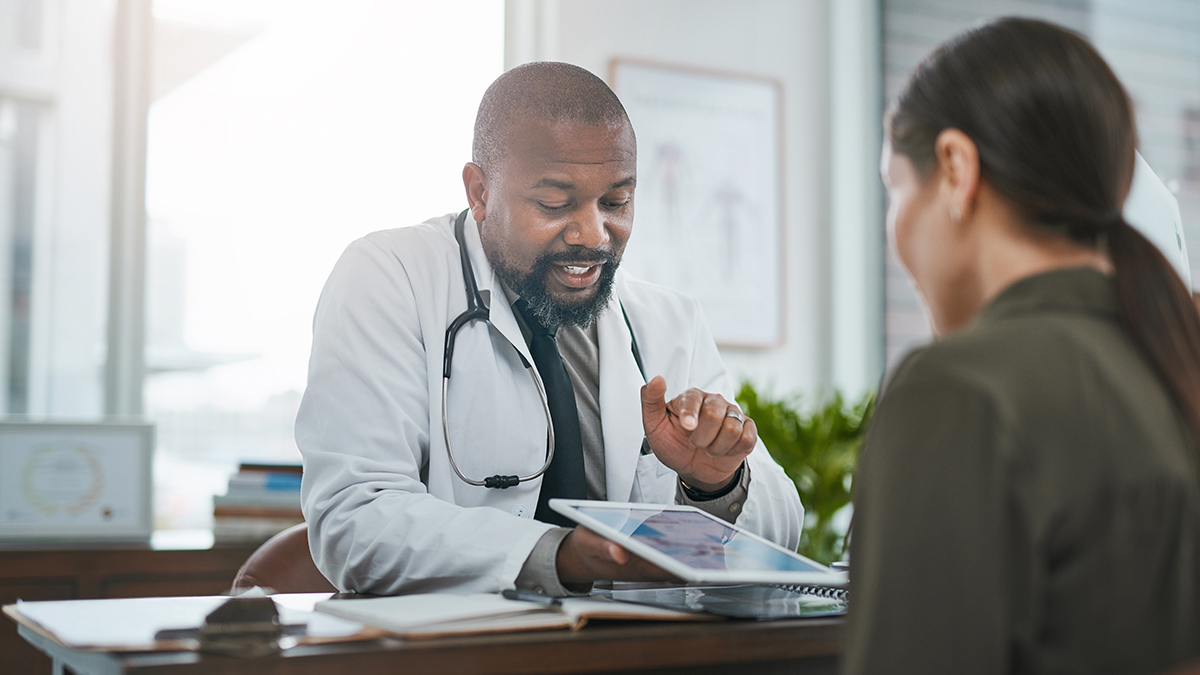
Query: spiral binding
column 839, row 594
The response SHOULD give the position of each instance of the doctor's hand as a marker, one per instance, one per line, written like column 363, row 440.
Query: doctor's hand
column 585, row 557
column 700, row 436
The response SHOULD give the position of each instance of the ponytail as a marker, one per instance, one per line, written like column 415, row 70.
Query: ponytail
column 1159, row 314
column 1056, row 138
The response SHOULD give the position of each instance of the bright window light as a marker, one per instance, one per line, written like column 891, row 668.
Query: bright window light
column 280, row 132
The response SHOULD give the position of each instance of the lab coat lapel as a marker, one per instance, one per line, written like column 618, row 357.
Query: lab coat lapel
column 620, row 401
column 500, row 311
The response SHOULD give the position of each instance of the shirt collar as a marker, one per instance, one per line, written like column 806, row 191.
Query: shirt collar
column 1076, row 289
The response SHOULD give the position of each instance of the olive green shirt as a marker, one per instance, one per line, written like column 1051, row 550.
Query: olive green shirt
column 1027, row 500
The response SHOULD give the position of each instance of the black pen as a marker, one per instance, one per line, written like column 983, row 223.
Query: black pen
column 529, row 596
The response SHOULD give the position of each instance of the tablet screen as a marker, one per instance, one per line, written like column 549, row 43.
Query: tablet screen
column 696, row 540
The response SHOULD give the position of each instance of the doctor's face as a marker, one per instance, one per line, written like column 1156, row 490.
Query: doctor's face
column 557, row 212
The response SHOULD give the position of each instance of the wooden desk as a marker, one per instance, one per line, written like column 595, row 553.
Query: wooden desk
column 172, row 564
column 796, row 646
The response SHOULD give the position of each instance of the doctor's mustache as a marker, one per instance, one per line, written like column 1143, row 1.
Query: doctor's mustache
column 578, row 254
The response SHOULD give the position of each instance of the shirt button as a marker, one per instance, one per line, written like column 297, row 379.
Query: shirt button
column 539, row 590
column 734, row 507
column 520, row 511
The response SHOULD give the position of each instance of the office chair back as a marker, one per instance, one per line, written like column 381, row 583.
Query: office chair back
column 284, row 564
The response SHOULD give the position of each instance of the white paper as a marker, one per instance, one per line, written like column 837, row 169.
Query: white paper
column 405, row 614
column 1154, row 211
column 131, row 623
column 435, row 614
column 603, row 608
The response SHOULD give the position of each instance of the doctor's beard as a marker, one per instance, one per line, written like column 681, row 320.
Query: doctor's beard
column 551, row 312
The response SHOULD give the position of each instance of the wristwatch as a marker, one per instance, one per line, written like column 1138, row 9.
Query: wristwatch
column 702, row 496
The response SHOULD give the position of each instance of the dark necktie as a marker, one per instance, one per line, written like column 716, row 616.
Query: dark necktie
column 565, row 477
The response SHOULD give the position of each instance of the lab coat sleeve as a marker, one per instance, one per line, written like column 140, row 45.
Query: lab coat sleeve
column 363, row 430
column 772, row 509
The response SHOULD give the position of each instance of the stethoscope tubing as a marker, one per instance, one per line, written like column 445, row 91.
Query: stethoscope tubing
column 501, row 481
column 477, row 310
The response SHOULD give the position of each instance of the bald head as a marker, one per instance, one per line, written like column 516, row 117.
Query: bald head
column 546, row 91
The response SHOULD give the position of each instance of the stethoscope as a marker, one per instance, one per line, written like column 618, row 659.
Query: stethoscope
column 477, row 310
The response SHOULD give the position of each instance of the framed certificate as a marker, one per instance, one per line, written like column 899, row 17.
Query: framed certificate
column 75, row 481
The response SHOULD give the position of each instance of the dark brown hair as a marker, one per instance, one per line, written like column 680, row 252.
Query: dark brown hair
column 1055, row 133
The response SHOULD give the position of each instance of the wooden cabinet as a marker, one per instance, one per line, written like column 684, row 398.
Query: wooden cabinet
column 188, row 565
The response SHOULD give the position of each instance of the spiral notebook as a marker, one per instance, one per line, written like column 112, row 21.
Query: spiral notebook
column 443, row 614
column 744, row 601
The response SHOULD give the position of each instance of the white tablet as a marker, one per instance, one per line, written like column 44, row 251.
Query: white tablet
column 695, row 546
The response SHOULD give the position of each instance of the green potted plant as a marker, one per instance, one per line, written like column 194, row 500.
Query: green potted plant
column 819, row 450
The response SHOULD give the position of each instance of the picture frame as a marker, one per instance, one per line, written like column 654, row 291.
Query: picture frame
column 76, row 481
column 709, row 208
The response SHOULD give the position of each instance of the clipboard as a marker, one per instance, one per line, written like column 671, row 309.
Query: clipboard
column 131, row 624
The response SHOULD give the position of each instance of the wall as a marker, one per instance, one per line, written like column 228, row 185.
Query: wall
column 782, row 39
column 857, row 240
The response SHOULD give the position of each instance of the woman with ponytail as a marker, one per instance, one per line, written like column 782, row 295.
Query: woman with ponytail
column 1028, row 500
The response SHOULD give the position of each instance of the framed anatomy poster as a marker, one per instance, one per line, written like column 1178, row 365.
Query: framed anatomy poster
column 708, row 217
column 75, row 482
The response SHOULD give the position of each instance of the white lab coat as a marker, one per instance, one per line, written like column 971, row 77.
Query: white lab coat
column 385, row 511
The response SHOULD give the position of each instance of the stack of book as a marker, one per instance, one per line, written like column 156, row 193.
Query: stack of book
column 262, row 500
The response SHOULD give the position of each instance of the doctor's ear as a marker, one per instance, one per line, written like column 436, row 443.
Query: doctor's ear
column 477, row 190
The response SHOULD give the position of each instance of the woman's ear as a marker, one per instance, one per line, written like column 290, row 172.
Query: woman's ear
column 958, row 171
column 476, row 185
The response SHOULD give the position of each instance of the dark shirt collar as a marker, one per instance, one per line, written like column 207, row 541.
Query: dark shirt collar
column 1075, row 289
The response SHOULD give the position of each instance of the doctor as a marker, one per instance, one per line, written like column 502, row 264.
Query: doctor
column 393, row 491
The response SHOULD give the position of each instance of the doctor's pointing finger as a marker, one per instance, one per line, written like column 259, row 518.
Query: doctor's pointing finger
column 699, row 435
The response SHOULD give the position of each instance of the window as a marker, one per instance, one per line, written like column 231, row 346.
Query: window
column 55, row 167
column 280, row 132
